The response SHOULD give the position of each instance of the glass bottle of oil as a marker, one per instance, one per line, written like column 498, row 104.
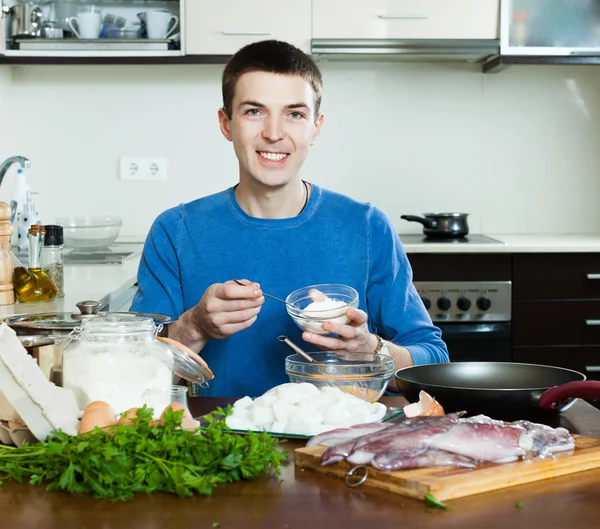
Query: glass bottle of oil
column 32, row 284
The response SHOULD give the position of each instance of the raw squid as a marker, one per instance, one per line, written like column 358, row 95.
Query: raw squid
column 341, row 435
column 436, row 441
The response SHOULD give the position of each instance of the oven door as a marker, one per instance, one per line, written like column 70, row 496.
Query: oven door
column 477, row 342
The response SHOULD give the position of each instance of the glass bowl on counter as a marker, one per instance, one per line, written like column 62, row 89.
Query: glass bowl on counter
column 313, row 305
column 365, row 376
column 89, row 233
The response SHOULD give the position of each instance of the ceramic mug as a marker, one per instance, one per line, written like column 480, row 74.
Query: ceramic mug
column 89, row 24
column 157, row 23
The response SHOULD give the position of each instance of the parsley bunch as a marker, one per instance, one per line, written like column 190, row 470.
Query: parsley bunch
column 144, row 456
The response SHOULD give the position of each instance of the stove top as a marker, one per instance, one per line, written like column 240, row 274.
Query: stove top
column 472, row 238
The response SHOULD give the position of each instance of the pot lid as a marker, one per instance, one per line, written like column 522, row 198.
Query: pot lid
column 187, row 364
column 65, row 322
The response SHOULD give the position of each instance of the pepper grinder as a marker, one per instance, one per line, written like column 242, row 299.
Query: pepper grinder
column 7, row 293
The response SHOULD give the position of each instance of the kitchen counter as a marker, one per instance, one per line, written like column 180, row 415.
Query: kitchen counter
column 531, row 243
column 299, row 499
column 103, row 283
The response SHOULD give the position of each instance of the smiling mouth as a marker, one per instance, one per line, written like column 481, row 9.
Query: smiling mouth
column 273, row 156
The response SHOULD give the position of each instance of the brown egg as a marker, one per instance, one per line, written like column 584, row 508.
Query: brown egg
column 128, row 416
column 187, row 422
column 98, row 414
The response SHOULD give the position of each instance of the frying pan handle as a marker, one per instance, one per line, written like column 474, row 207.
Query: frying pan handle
column 555, row 398
column 422, row 220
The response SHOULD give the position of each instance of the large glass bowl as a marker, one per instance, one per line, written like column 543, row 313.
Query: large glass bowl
column 89, row 233
column 312, row 320
column 366, row 377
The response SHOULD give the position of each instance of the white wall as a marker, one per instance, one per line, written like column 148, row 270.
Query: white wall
column 8, row 140
column 518, row 150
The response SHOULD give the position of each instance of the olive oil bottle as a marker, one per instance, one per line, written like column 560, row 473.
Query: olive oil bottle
column 32, row 284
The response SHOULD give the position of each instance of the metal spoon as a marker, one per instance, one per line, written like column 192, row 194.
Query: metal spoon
column 269, row 296
column 296, row 349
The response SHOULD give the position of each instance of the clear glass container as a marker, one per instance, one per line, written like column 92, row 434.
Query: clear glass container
column 119, row 361
column 550, row 27
column 363, row 375
column 52, row 257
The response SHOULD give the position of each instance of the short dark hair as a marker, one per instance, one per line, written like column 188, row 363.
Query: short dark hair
column 272, row 56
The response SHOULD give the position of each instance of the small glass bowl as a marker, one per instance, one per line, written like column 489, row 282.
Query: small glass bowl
column 313, row 321
column 365, row 378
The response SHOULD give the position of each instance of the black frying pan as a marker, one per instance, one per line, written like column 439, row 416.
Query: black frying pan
column 501, row 390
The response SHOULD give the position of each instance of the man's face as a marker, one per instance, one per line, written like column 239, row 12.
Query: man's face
column 272, row 126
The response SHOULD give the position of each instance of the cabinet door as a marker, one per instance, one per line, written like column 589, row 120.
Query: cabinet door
column 221, row 27
column 586, row 360
column 556, row 276
column 405, row 19
column 564, row 322
column 557, row 27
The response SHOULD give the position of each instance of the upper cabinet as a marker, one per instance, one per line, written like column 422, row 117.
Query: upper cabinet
column 84, row 28
column 221, row 27
column 550, row 27
column 405, row 19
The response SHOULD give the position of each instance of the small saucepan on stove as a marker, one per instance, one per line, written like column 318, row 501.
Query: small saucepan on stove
column 442, row 225
column 501, row 390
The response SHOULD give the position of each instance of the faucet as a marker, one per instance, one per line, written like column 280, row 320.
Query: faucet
column 4, row 166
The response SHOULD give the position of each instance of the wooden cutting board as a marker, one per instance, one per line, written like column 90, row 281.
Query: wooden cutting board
column 447, row 483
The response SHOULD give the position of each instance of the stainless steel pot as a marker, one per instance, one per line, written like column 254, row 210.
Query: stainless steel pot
column 25, row 20
column 442, row 225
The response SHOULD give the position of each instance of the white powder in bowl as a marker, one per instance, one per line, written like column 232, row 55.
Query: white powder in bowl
column 324, row 310
column 123, row 380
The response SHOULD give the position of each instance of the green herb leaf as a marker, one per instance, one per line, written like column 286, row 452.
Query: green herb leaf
column 216, row 524
column 519, row 504
column 433, row 503
column 144, row 457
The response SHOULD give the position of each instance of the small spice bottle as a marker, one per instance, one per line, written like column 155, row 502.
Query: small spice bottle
column 52, row 257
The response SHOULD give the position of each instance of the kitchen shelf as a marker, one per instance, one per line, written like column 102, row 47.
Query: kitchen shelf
column 500, row 62
column 83, row 60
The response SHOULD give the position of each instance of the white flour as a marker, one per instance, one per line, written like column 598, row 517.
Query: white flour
column 123, row 380
column 325, row 310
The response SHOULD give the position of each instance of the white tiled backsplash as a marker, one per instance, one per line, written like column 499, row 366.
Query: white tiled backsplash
column 518, row 150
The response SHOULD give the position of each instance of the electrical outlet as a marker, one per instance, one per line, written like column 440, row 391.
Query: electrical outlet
column 147, row 169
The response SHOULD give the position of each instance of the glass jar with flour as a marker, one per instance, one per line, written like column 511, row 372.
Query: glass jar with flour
column 119, row 360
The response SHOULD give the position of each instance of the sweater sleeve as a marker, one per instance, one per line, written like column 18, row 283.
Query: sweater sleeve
column 159, row 277
column 395, row 309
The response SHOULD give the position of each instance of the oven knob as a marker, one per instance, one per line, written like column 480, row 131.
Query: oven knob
column 463, row 303
column 426, row 302
column 484, row 303
column 444, row 303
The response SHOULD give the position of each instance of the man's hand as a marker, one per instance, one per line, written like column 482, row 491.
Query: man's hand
column 353, row 337
column 223, row 310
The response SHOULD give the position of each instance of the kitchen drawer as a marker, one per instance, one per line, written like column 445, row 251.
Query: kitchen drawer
column 556, row 322
column 586, row 360
column 405, row 19
column 460, row 267
column 556, row 276
column 221, row 27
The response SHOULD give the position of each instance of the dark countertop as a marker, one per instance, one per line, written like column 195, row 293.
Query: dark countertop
column 305, row 499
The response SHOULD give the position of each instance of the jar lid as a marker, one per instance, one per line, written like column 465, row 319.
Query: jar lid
column 65, row 322
column 54, row 235
column 188, row 365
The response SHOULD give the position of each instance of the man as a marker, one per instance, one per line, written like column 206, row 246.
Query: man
column 277, row 232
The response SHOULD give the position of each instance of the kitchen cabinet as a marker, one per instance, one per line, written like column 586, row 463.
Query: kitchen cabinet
column 550, row 27
column 405, row 19
column 556, row 310
column 221, row 27
column 121, row 32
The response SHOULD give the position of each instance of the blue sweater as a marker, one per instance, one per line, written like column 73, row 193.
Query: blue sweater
column 334, row 240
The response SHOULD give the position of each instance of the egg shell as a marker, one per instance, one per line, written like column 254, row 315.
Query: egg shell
column 187, row 421
column 97, row 413
column 128, row 416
